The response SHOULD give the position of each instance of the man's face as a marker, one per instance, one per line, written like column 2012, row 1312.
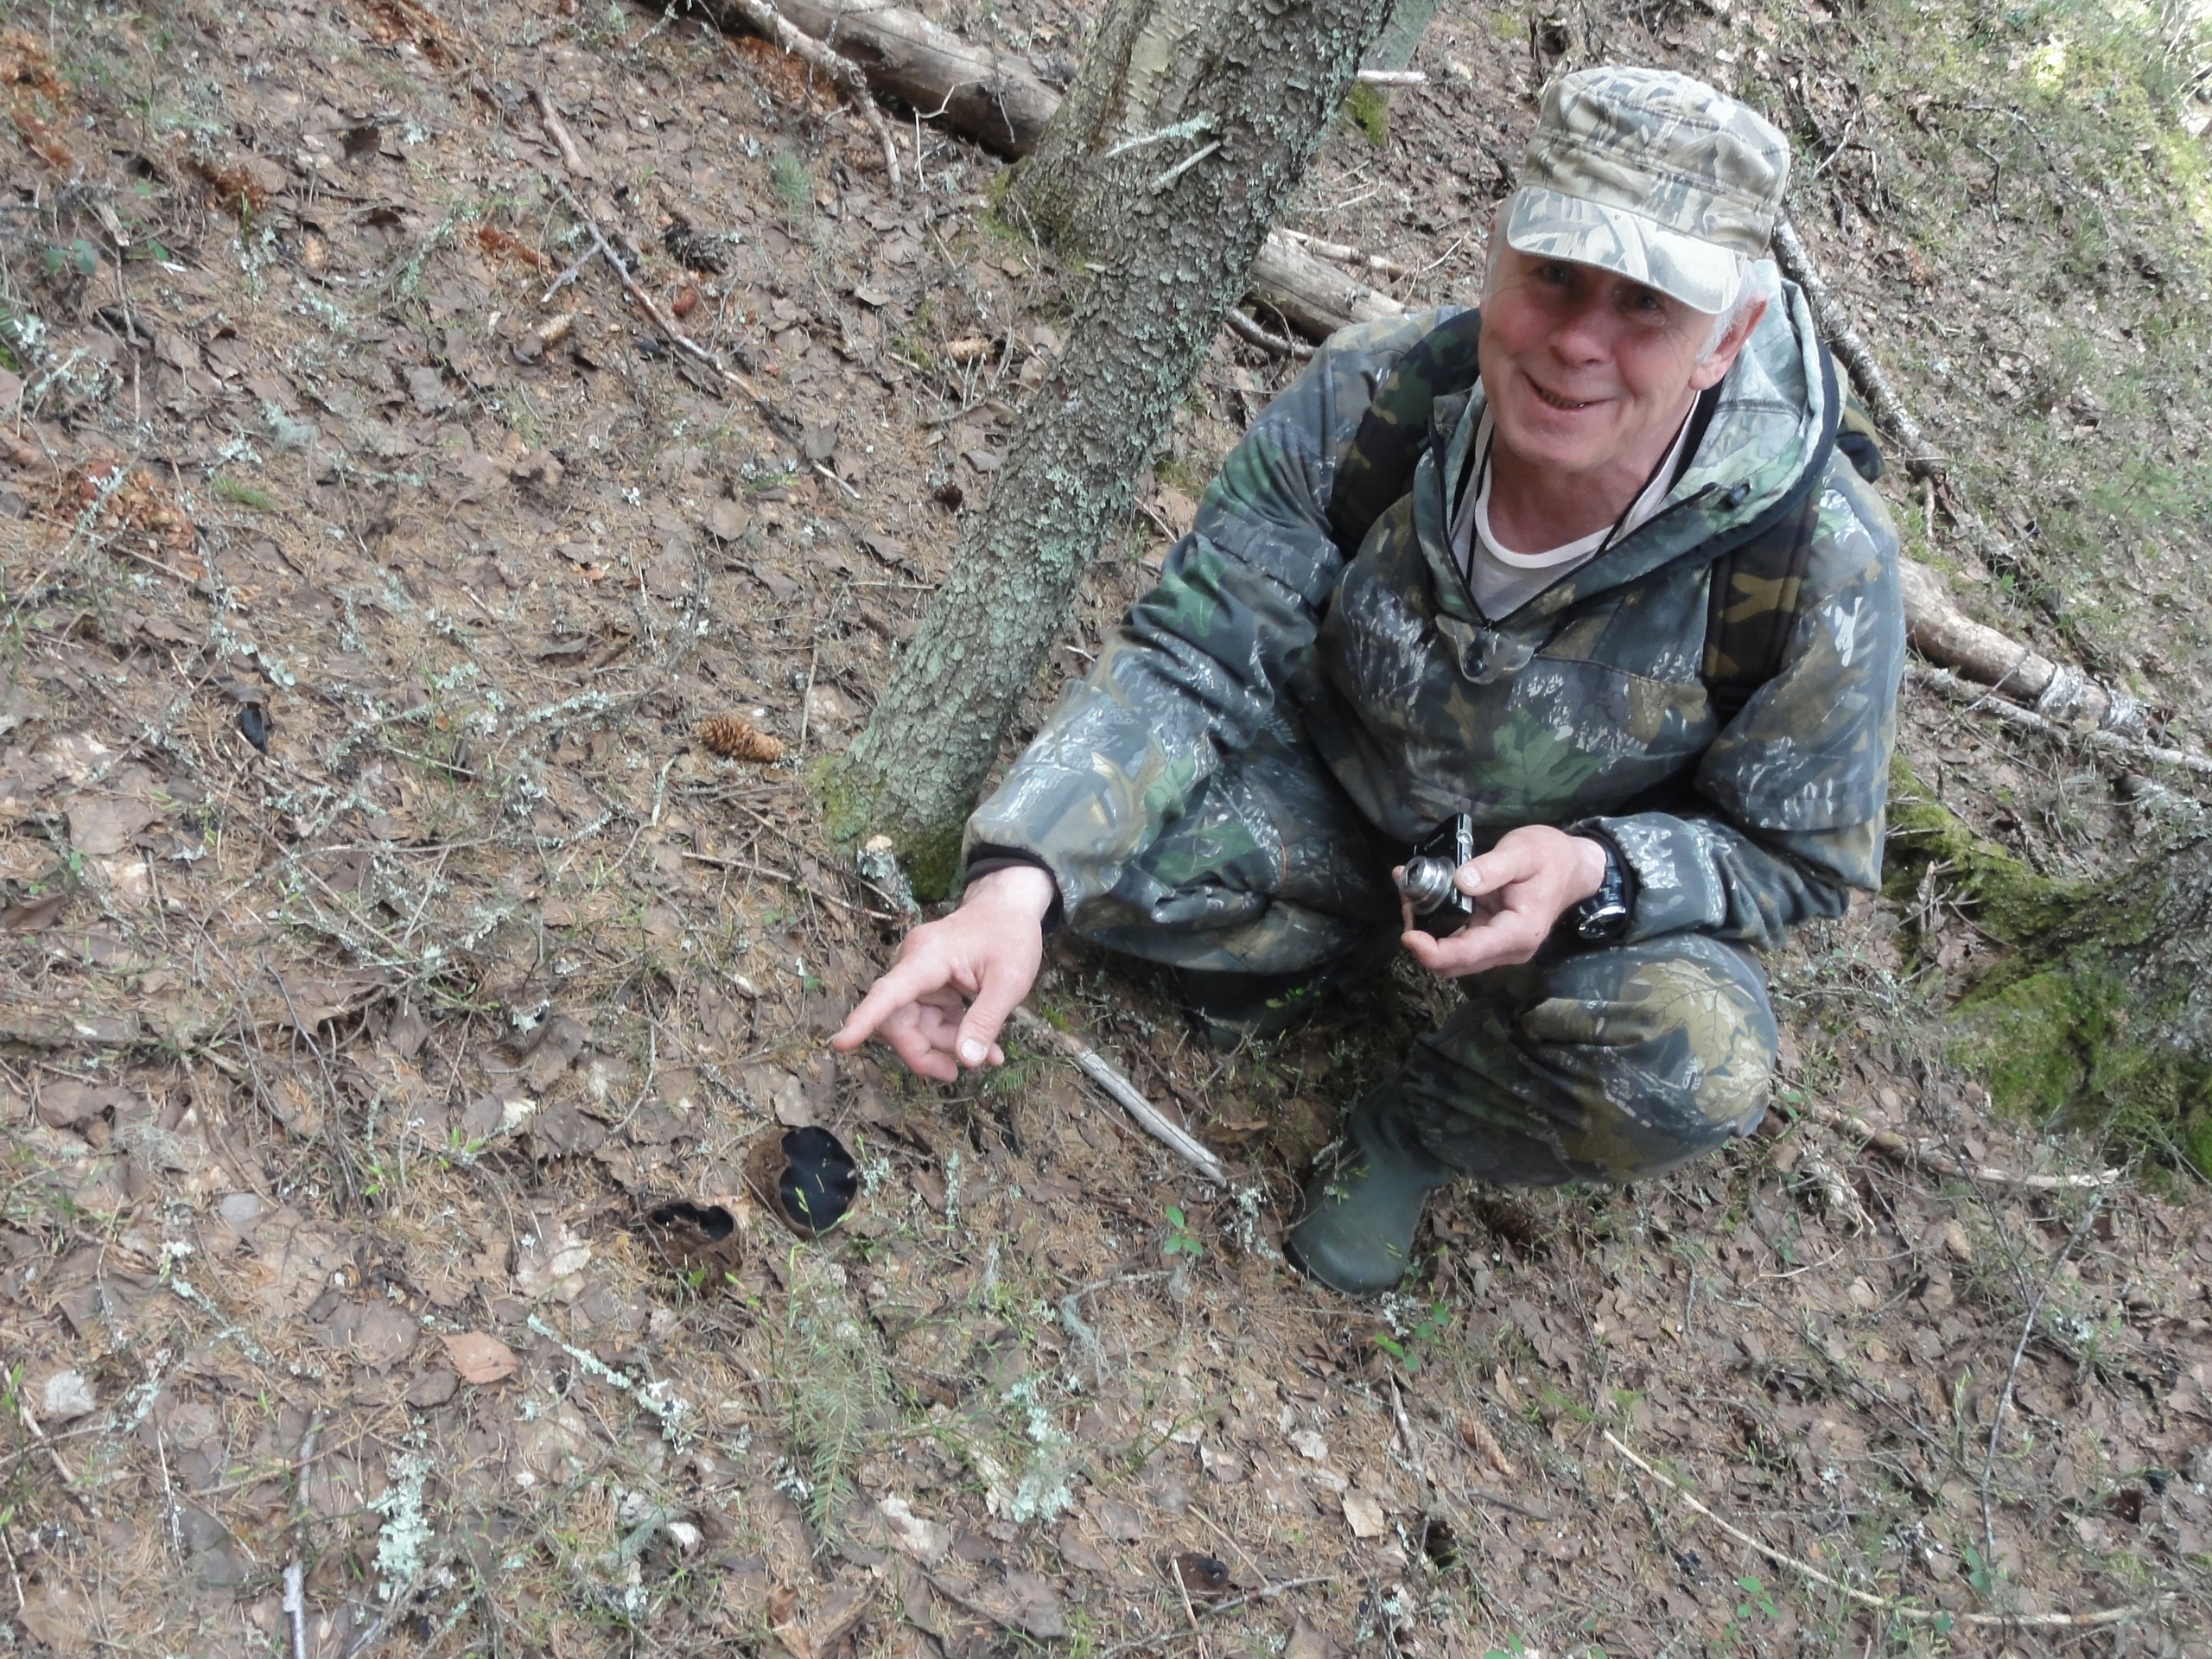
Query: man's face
column 1587, row 371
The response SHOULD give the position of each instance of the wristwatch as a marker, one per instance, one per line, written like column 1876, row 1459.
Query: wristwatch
column 1605, row 914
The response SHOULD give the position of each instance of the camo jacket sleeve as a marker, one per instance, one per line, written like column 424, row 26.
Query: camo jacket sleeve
column 1798, row 783
column 1197, row 668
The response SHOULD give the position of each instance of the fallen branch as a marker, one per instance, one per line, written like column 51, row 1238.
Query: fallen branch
column 1150, row 1118
column 1392, row 77
column 558, row 130
column 764, row 20
column 1344, row 254
column 1922, row 459
column 1886, row 1605
column 1938, row 1163
column 1245, row 329
column 652, row 307
column 2123, row 752
column 992, row 96
column 296, row 1607
column 1313, row 296
column 1943, row 633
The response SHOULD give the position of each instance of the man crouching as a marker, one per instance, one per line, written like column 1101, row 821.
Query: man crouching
column 1579, row 585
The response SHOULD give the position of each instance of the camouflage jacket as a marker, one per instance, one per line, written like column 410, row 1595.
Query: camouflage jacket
column 1583, row 709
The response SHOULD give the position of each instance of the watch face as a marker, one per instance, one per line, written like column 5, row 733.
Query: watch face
column 1602, row 917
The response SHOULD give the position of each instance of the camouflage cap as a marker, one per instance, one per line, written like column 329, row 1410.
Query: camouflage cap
column 1652, row 175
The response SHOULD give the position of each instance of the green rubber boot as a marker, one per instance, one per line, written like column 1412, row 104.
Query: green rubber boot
column 1362, row 1207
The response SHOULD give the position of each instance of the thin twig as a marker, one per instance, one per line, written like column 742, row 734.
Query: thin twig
column 716, row 861
column 767, row 22
column 1940, row 1164
column 1392, row 77
column 2012, row 1371
column 651, row 306
column 1406, row 1434
column 1264, row 1592
column 1883, row 1604
column 1245, row 329
column 69, row 1479
column 1175, row 1566
column 1149, row 1117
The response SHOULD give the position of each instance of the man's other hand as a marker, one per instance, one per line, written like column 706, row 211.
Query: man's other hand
column 1521, row 887
column 958, row 978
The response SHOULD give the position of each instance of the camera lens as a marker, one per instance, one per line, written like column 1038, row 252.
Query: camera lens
column 1427, row 882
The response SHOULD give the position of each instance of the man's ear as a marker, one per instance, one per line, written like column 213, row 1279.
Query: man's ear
column 1712, row 368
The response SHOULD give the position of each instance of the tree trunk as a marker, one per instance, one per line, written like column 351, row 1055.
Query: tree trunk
column 1132, row 98
column 2105, row 1019
column 1174, row 227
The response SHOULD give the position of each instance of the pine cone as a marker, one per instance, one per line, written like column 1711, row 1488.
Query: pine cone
column 737, row 738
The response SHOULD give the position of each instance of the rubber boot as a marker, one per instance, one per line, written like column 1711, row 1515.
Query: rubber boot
column 1363, row 1206
column 1233, row 1009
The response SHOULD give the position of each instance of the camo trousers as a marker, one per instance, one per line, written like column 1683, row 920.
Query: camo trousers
column 1590, row 1063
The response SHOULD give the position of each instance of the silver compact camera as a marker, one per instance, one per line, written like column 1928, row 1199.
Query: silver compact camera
column 1439, row 908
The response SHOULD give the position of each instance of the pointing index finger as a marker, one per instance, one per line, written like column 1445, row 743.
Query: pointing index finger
column 916, row 976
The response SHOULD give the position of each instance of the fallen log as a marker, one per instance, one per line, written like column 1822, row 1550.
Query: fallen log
column 1944, row 634
column 1313, row 296
column 994, row 99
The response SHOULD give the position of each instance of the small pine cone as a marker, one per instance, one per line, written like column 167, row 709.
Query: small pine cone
column 737, row 738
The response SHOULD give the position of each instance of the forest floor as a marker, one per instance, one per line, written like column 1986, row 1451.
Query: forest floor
column 382, row 944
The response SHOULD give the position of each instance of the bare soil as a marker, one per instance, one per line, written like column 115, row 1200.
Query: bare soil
column 383, row 942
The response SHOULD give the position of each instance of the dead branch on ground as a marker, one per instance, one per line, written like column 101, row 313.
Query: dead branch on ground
column 556, row 130
column 1109, row 1077
column 1885, row 1605
column 1344, row 254
column 1922, row 459
column 770, row 24
column 2123, row 754
column 1251, row 331
column 1943, row 633
column 1938, row 1163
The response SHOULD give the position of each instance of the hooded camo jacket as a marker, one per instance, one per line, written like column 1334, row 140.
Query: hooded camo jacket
column 1583, row 709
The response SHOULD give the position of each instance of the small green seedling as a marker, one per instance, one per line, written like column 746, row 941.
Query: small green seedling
column 1180, row 1240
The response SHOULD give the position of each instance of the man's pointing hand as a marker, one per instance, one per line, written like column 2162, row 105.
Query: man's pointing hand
column 958, row 978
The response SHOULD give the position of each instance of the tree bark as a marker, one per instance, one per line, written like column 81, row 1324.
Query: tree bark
column 1176, row 226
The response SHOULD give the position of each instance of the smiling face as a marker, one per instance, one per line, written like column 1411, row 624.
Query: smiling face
column 1589, row 375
